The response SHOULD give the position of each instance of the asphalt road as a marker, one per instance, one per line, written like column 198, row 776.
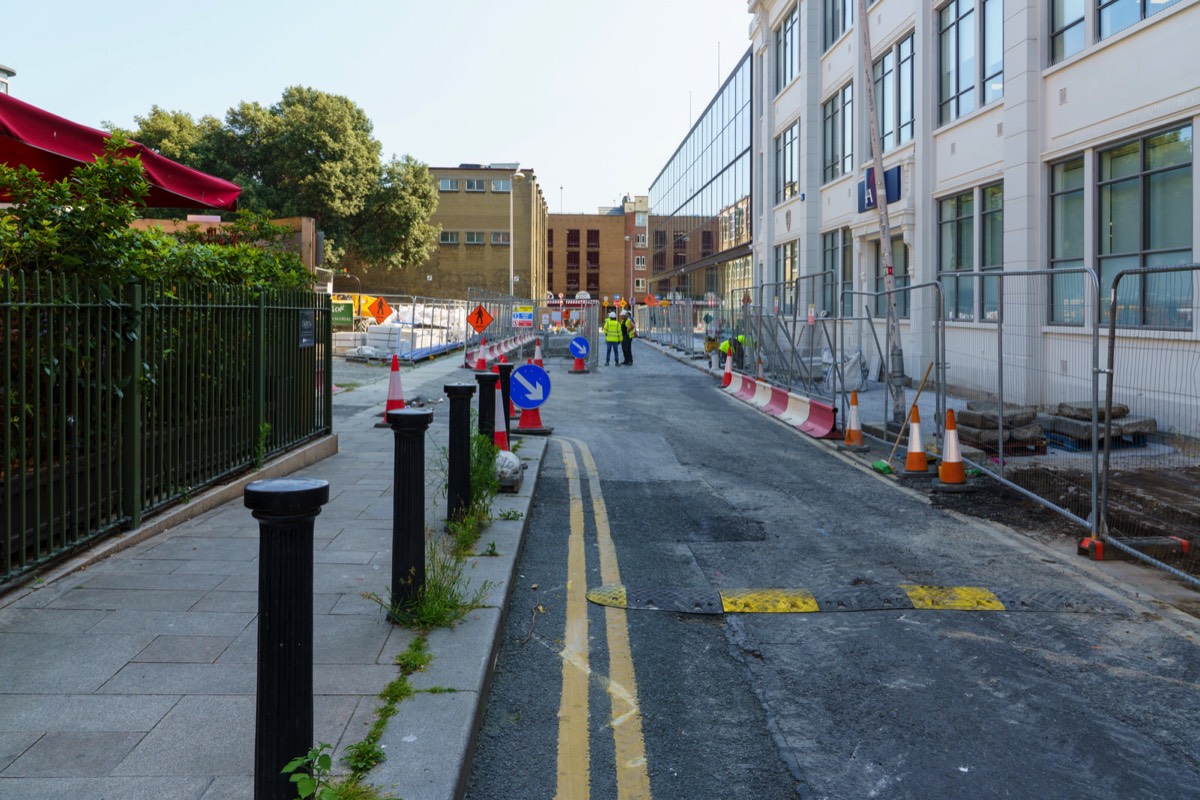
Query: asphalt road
column 1081, row 689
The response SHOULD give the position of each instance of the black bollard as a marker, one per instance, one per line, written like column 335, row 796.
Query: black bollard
column 458, row 478
column 408, row 503
column 506, row 371
column 487, row 403
column 285, row 509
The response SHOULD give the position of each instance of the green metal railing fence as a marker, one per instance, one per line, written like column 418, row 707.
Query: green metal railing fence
column 119, row 401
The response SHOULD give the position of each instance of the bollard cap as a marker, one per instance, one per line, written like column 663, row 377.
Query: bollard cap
column 287, row 496
column 487, row 380
column 410, row 419
column 459, row 389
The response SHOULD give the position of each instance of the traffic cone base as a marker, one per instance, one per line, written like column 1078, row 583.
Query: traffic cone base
column 395, row 397
column 531, row 423
column 579, row 368
column 728, row 377
column 952, row 475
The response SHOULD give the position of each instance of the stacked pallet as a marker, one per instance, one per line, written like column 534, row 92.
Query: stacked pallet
column 979, row 426
column 1069, row 427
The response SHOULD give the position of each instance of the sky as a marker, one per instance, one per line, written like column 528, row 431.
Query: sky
column 593, row 96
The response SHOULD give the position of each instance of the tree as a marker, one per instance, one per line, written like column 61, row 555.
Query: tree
column 311, row 154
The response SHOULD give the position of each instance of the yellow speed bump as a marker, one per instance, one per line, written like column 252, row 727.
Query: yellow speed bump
column 609, row 595
column 952, row 598
column 768, row 601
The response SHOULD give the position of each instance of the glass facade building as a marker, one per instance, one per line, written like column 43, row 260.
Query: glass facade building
column 700, row 202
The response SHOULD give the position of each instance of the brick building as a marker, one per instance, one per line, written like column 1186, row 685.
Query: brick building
column 603, row 254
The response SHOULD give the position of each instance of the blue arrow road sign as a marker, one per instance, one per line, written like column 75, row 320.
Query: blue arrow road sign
column 579, row 347
column 529, row 386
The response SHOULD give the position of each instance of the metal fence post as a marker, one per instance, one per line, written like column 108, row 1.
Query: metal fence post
column 285, row 509
column 132, row 447
column 458, row 478
column 487, row 403
column 408, row 503
column 258, row 368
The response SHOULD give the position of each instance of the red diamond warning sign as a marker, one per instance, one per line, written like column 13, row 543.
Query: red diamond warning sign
column 479, row 319
column 380, row 310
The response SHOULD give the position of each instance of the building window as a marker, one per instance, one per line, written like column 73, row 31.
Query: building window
column 639, row 284
column 593, row 283
column 838, row 137
column 787, row 49
column 448, row 237
column 962, row 84
column 991, row 249
column 476, row 185
column 780, row 294
column 639, row 262
column 640, row 219
column 660, row 239
column 550, row 238
column 839, row 16
column 1066, row 29
column 639, row 240
column 593, row 259
column 956, row 254
column 572, row 237
column 476, row 237
column 448, row 185
column 900, row 279
column 593, row 238
column 1144, row 194
column 787, row 163
column 893, row 77
column 501, row 237
column 501, row 184
column 572, row 260
column 837, row 262
column 1066, row 241
column 1117, row 15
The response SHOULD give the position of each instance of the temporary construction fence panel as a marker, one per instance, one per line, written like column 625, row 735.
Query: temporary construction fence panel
column 119, row 402
column 1013, row 379
column 1150, row 417
column 559, row 322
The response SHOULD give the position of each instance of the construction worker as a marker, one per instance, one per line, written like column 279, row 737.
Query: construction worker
column 737, row 345
column 612, row 339
column 627, row 334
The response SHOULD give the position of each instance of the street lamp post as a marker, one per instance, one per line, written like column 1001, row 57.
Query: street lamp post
column 517, row 177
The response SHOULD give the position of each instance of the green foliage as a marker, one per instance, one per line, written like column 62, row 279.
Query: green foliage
column 443, row 600
column 416, row 658
column 360, row 757
column 260, row 445
column 511, row 513
column 81, row 226
column 311, row 154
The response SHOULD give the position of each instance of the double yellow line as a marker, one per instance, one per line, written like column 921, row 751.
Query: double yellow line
column 574, row 762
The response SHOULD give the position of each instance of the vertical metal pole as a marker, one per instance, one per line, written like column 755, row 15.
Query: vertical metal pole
column 1000, row 366
column 258, row 367
column 408, row 503
column 458, row 478
column 285, row 509
column 487, row 403
column 133, row 450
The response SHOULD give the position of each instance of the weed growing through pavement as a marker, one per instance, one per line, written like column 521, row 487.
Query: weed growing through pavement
column 511, row 513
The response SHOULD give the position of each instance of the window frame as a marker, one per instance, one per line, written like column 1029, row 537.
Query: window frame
column 957, row 278
column 475, row 185
column 448, row 237
column 447, row 184
column 787, row 49
column 1066, row 292
column 475, row 238
column 501, row 238
column 837, row 139
column 837, row 17
column 892, row 121
column 1063, row 31
column 787, row 163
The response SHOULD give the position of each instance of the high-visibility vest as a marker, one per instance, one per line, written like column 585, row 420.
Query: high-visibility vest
column 612, row 330
column 724, row 348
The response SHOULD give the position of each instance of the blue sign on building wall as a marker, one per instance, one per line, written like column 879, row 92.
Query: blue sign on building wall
column 866, row 188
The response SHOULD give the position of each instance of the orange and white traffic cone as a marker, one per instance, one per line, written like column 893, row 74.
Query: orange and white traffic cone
column 531, row 423
column 916, row 462
column 952, row 474
column 395, row 398
column 480, row 358
column 537, row 353
column 854, row 434
column 501, row 437
column 728, row 377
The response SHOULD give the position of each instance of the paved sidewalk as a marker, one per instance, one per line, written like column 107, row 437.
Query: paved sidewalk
column 130, row 673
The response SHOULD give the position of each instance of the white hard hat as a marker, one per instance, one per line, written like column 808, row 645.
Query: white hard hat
column 624, row 313
column 612, row 315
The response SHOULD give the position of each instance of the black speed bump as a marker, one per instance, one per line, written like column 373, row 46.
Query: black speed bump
column 904, row 597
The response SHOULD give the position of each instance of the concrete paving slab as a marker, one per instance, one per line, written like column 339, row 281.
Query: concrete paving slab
column 108, row 788
column 202, row 736
column 167, row 581
column 123, row 563
column 428, row 745
column 185, row 649
column 39, row 663
column 12, row 745
column 464, row 653
column 49, row 620
column 179, row 623
column 37, row 713
column 348, row 639
column 116, row 599
column 349, row 679
column 73, row 754
column 207, row 548
column 189, row 679
column 230, row 789
column 218, row 567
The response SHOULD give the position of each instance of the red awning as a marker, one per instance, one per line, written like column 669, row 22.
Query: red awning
column 54, row 146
